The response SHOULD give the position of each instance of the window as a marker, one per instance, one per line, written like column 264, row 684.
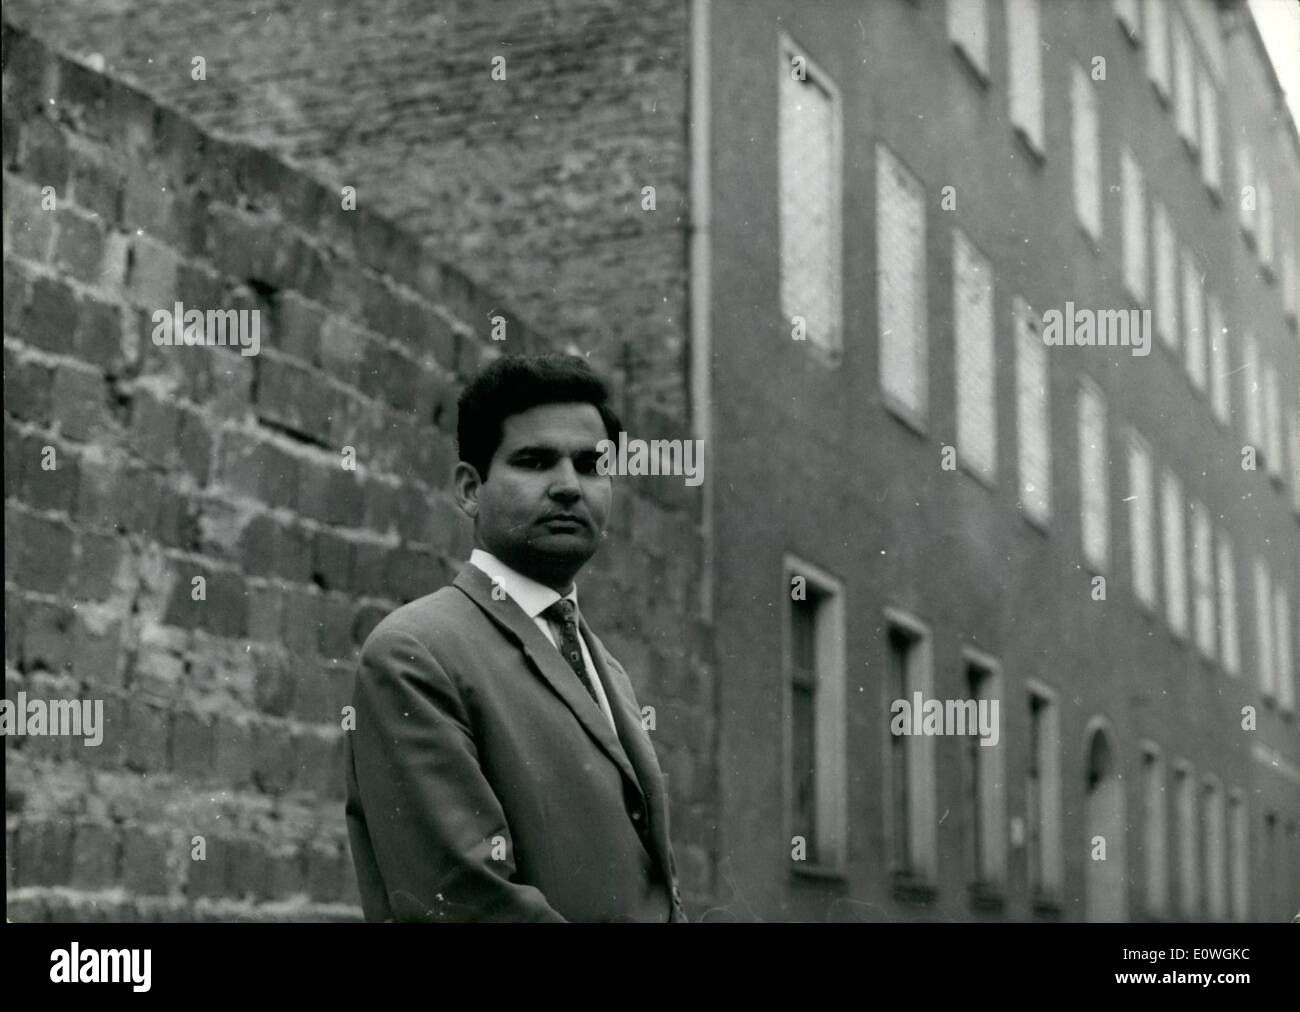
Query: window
column 968, row 27
column 1024, row 44
column 1265, row 223
column 1127, row 13
column 1203, row 578
column 1189, row 892
column 1239, row 861
column 1184, row 81
column 1216, row 880
column 1264, row 630
column 1086, row 146
column 1155, row 833
column 985, row 764
column 1253, row 392
column 1272, row 423
column 1032, row 422
column 809, row 130
column 1166, row 278
column 1135, row 226
column 1141, row 497
column 1094, row 490
column 1219, row 368
column 1289, row 294
column 1193, row 325
column 973, row 318
column 900, row 258
column 1282, row 648
column 1248, row 198
column 1157, row 12
column 911, row 757
column 1043, row 797
column 1229, row 637
column 818, row 775
column 1211, row 170
column 1175, row 572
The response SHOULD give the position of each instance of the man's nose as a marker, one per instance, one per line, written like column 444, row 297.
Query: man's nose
column 564, row 483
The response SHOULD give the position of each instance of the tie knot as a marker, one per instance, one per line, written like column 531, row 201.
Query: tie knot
column 561, row 611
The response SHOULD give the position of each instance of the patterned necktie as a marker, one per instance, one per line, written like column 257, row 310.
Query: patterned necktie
column 562, row 614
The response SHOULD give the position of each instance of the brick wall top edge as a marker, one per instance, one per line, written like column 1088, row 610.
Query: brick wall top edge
column 232, row 167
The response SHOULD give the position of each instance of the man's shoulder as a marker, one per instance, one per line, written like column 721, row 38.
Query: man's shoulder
column 444, row 616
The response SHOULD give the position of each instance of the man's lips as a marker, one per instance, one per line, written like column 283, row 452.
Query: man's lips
column 570, row 519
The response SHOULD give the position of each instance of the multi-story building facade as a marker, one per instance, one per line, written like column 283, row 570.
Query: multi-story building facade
column 866, row 228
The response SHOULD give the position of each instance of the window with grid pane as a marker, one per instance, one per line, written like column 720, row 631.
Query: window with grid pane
column 973, row 320
column 808, row 121
column 900, row 258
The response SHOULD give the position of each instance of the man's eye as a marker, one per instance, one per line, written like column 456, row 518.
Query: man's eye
column 588, row 465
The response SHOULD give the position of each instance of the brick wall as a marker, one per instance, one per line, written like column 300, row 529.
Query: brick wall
column 531, row 184
column 223, row 715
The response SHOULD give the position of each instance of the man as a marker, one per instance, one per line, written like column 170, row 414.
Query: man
column 498, row 769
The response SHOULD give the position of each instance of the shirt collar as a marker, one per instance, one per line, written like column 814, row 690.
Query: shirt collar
column 533, row 597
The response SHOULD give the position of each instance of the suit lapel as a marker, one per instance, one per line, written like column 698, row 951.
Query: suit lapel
column 548, row 663
column 622, row 702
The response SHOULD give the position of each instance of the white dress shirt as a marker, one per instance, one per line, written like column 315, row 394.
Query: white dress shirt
column 534, row 598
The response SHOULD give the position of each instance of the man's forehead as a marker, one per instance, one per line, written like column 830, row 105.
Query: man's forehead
column 560, row 425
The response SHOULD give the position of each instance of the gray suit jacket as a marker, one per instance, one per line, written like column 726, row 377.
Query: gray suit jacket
column 483, row 783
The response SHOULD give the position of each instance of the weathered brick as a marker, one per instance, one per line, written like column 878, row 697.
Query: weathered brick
column 299, row 324
column 17, row 294
column 145, row 861
column 99, row 559
column 97, row 651
column 272, row 756
column 30, row 73
column 95, row 854
column 44, row 553
column 234, row 760
column 193, row 746
column 300, row 618
column 44, row 853
column 80, row 246
column 226, row 613
column 79, row 399
column 325, row 871
column 98, row 338
column 148, row 737
column 29, row 229
column 148, row 203
column 85, row 92
column 151, row 280
column 334, row 637
column 293, row 397
column 207, row 877
column 45, row 156
column 96, row 183
column 51, row 319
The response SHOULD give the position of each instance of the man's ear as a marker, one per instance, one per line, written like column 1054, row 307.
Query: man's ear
column 467, row 483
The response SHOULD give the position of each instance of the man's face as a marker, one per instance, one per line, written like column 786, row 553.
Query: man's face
column 543, row 507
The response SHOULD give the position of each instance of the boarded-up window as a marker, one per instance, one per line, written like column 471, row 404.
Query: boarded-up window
column 1171, row 501
column 900, row 256
column 1033, row 428
column 810, row 201
column 1094, row 489
column 973, row 313
column 1024, row 46
column 1087, row 145
column 1135, row 226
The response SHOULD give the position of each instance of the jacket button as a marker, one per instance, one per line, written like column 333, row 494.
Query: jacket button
column 636, row 815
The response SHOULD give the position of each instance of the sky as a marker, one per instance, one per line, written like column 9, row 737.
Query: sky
column 1279, row 24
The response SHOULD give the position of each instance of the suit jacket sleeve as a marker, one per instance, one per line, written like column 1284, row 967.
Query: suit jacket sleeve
column 430, row 813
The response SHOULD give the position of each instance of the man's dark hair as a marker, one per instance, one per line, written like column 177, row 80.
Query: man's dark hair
column 515, row 383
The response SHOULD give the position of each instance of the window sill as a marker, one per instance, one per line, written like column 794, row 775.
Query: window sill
column 1034, row 148
column 1046, row 906
column 986, row 898
column 904, row 414
column 818, row 872
column 972, row 65
column 909, row 889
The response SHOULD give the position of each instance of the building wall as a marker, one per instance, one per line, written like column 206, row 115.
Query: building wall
column 533, row 184
column 223, row 714
column 809, row 461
